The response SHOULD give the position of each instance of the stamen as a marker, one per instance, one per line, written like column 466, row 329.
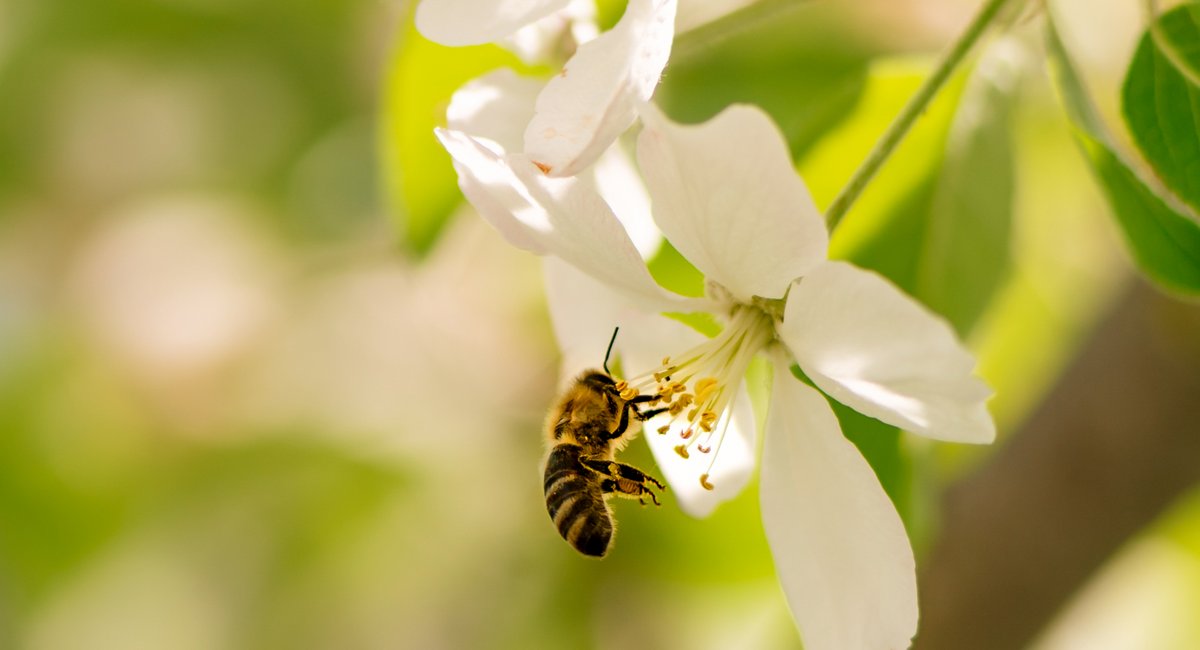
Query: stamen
column 664, row 429
column 686, row 433
column 629, row 393
column 681, row 450
column 704, row 482
column 703, row 449
column 705, row 387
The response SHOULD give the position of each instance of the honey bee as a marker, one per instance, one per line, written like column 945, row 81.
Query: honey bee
column 586, row 429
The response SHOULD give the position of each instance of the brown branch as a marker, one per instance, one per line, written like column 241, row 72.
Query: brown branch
column 1113, row 445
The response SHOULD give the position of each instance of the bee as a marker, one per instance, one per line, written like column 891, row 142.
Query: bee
column 587, row 427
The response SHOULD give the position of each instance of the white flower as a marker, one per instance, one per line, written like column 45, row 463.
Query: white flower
column 594, row 99
column 726, row 196
column 475, row 22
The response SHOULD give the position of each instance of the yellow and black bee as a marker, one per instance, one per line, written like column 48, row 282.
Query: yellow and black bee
column 586, row 429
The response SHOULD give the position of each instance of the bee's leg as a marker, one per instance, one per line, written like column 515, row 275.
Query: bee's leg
column 624, row 480
column 623, row 423
column 649, row 413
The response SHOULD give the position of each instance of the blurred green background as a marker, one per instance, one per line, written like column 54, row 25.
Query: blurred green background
column 266, row 383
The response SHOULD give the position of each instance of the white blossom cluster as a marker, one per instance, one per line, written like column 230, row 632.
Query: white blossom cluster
column 539, row 161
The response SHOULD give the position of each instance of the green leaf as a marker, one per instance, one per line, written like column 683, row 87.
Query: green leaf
column 1161, row 103
column 964, row 256
column 884, row 229
column 937, row 219
column 419, row 179
column 1164, row 242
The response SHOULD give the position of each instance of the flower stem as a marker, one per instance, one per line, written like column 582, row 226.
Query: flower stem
column 911, row 111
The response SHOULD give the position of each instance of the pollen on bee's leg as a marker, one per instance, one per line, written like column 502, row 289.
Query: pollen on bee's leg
column 704, row 482
column 681, row 450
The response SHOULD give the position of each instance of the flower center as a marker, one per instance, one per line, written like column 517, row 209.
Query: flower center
column 696, row 388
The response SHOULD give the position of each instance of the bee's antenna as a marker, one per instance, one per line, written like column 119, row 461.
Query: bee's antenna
column 609, row 351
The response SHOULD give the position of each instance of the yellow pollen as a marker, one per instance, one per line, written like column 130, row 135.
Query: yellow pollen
column 706, row 383
column 708, row 416
column 705, row 387
column 704, row 482
column 693, row 413
column 621, row 386
column 706, row 426
column 681, row 450
column 678, row 387
column 658, row 376
column 675, row 409
column 629, row 393
column 685, row 399
column 664, row 429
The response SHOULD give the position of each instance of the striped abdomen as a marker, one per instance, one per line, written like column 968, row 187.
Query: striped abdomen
column 575, row 503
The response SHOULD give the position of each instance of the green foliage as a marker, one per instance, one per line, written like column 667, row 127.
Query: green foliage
column 964, row 254
column 1161, row 102
column 937, row 218
column 880, row 231
column 1164, row 242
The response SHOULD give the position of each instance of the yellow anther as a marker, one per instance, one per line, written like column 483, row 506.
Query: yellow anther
column 664, row 429
column 686, row 399
column 705, row 387
column 675, row 409
column 666, row 362
column 681, row 450
column 704, row 482
column 693, row 413
column 678, row 387
column 707, row 427
column 658, row 376
column 621, row 385
column 629, row 393
column 686, row 433
column 703, row 449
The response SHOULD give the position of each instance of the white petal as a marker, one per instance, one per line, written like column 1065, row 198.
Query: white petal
column 726, row 196
column 562, row 217
column 583, row 313
column 491, row 186
column 495, row 107
column 595, row 98
column 543, row 40
column 622, row 188
column 840, row 549
column 642, row 347
column 474, row 22
column 870, row 346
